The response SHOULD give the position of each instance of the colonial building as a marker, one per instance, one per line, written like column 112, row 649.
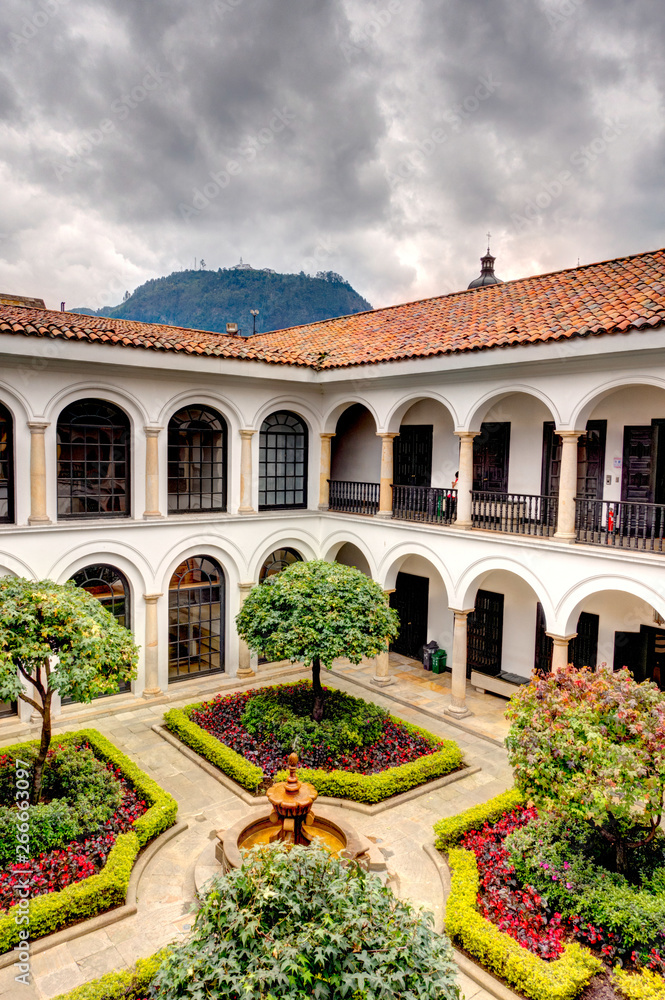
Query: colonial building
column 494, row 458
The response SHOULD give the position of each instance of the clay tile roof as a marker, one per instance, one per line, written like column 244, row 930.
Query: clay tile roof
column 598, row 299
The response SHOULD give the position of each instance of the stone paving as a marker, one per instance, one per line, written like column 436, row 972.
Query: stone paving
column 166, row 891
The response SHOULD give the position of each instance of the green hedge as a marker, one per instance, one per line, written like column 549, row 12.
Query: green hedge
column 119, row 985
column 644, row 985
column 448, row 832
column 227, row 760
column 336, row 784
column 562, row 979
column 108, row 888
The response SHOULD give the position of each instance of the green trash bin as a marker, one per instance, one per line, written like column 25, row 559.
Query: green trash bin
column 439, row 661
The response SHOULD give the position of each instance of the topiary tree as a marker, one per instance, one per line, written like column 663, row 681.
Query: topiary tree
column 299, row 925
column 314, row 612
column 591, row 746
column 58, row 638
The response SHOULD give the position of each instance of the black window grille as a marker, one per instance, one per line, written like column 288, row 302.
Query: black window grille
column 196, row 461
column 196, row 618
column 6, row 466
column 111, row 589
column 93, row 460
column 277, row 561
column 282, row 462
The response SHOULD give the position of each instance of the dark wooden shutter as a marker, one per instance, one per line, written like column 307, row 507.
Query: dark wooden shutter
column 630, row 650
column 590, row 460
column 485, row 634
column 542, row 661
column 412, row 455
column 490, row 458
column 583, row 649
column 637, row 484
column 410, row 599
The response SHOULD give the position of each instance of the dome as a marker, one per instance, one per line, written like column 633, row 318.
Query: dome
column 487, row 275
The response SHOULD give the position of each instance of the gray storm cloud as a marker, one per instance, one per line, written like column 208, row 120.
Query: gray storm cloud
column 379, row 139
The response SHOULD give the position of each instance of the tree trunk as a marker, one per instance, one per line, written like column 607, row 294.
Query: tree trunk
column 43, row 750
column 621, row 859
column 317, row 711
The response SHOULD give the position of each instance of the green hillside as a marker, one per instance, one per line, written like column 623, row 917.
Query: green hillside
column 208, row 300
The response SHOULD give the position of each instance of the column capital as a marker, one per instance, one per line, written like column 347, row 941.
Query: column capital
column 561, row 640
column 39, row 425
column 152, row 430
column 569, row 434
column 387, row 434
column 388, row 592
column 462, row 613
column 328, row 434
column 246, row 432
column 245, row 587
column 152, row 598
column 466, row 434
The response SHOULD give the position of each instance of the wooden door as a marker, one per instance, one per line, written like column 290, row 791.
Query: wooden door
column 590, row 460
column 412, row 455
column 410, row 599
column 583, row 649
column 638, row 478
column 485, row 634
column 542, row 660
column 490, row 458
column 630, row 650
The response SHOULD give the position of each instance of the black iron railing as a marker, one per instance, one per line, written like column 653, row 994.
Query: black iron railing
column 623, row 524
column 516, row 513
column 353, row 498
column 424, row 503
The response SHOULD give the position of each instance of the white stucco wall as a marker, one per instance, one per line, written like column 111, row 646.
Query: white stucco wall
column 445, row 446
column 526, row 416
column 355, row 449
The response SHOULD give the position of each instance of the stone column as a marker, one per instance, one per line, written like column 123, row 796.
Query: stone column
column 560, row 650
column 565, row 522
column 152, row 510
column 244, row 669
column 324, row 471
column 465, row 478
column 382, row 676
column 246, row 436
column 152, row 688
column 457, row 708
column 386, row 493
column 38, row 513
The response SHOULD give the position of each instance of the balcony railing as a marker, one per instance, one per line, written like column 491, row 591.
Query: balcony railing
column 424, row 503
column 516, row 513
column 622, row 524
column 353, row 498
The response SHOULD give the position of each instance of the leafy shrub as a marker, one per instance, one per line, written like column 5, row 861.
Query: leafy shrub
column 565, row 862
column 296, row 924
column 643, row 986
column 284, row 714
column 129, row 984
column 578, row 736
column 448, row 832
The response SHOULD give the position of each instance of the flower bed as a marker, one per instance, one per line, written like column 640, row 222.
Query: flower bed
column 390, row 756
column 82, row 877
column 516, row 929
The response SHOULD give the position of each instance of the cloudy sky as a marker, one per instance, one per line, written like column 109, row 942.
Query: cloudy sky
column 378, row 138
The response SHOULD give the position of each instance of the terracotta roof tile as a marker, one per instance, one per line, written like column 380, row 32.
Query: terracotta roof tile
column 606, row 298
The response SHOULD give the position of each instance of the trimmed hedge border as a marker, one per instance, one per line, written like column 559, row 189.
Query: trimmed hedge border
column 369, row 788
column 117, row 985
column 562, row 979
column 644, row 985
column 108, row 888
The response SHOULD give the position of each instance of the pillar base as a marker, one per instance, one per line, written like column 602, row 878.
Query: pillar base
column 382, row 682
column 153, row 515
column 464, row 525
column 244, row 672
column 152, row 692
column 384, row 514
column 323, row 506
column 246, row 510
column 565, row 536
column 39, row 519
column 457, row 711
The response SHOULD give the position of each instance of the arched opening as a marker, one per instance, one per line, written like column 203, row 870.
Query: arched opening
column 197, row 607
column 421, row 602
column 425, row 464
column 6, row 466
column 93, row 460
column 111, row 588
column 355, row 463
column 277, row 561
column 350, row 555
column 630, row 633
column 197, row 442
column 282, row 462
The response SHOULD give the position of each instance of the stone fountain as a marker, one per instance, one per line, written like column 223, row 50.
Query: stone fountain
column 292, row 821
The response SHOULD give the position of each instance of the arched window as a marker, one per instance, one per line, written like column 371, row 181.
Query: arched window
column 6, row 466
column 277, row 561
column 282, row 462
column 111, row 589
column 197, row 461
column 196, row 618
column 93, row 460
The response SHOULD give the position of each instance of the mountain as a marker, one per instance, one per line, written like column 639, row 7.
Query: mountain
column 208, row 300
